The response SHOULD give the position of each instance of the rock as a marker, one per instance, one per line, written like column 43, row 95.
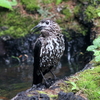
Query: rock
column 2, row 48
column 54, row 92
column 69, row 96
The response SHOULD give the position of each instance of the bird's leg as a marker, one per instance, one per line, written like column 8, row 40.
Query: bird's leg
column 53, row 75
column 47, row 84
column 42, row 75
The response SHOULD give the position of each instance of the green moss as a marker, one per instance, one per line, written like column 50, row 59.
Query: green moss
column 18, row 25
column 13, row 32
column 93, row 2
column 30, row 5
column 77, row 9
column 42, row 92
column 47, row 1
column 68, row 86
column 89, row 83
column 80, row 29
column 50, row 94
column 67, row 12
column 91, row 12
column 63, row 87
column 68, row 35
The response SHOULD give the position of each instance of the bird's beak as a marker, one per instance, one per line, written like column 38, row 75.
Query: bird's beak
column 36, row 28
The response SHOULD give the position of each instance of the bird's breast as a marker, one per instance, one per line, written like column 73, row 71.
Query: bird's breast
column 51, row 51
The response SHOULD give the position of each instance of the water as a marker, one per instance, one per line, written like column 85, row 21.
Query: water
column 15, row 78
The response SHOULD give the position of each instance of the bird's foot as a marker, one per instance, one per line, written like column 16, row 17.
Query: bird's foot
column 47, row 84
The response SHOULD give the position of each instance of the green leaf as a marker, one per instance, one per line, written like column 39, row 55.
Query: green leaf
column 74, row 87
column 58, row 1
column 99, row 92
column 13, row 3
column 97, row 42
column 6, row 4
column 99, row 14
column 97, row 58
column 16, row 58
column 91, row 47
column 96, row 52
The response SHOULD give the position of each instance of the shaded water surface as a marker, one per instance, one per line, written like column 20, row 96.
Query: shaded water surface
column 14, row 78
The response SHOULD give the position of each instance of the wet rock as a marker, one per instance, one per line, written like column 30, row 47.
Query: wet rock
column 36, row 96
column 18, row 50
column 20, row 96
column 2, row 48
column 54, row 92
column 7, row 61
column 69, row 96
column 5, row 37
column 44, row 97
column 3, row 28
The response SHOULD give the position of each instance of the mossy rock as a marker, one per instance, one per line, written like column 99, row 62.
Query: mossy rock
column 91, row 12
column 31, row 5
column 77, row 9
column 91, row 83
column 47, row 1
column 17, row 24
column 68, row 13
column 94, row 2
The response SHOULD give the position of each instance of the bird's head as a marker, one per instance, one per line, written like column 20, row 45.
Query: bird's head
column 47, row 27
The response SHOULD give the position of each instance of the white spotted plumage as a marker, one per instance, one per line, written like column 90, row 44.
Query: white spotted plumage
column 50, row 55
column 52, row 45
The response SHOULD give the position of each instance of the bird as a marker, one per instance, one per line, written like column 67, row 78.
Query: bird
column 48, row 49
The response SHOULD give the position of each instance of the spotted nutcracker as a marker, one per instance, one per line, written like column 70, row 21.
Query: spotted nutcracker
column 48, row 49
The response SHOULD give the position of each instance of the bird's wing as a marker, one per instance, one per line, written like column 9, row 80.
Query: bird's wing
column 37, row 78
column 37, row 48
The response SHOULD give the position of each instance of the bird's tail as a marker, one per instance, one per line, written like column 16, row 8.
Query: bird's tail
column 37, row 78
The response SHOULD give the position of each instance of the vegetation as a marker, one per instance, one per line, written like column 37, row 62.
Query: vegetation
column 18, row 26
column 77, row 9
column 43, row 12
column 28, row 13
column 31, row 5
column 88, row 83
column 96, row 49
column 92, row 12
column 94, row 2
column 51, row 1
column 47, row 1
column 67, row 12
column 8, row 4
column 58, row 1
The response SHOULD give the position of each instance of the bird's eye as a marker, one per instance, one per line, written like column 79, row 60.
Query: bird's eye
column 47, row 23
